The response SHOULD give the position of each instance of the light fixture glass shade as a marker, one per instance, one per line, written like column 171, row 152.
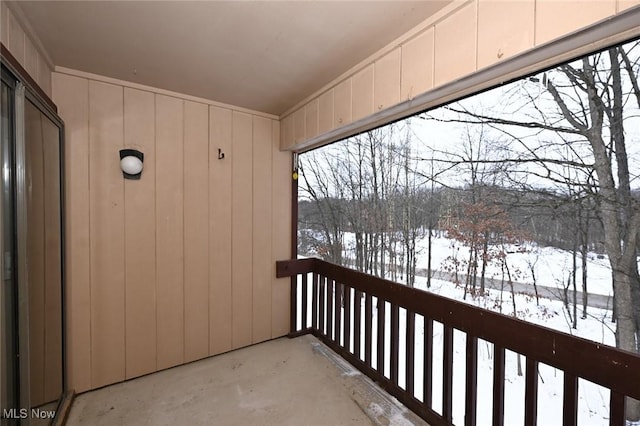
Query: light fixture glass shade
column 131, row 165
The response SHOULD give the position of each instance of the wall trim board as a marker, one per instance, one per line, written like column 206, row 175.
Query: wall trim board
column 607, row 32
column 156, row 90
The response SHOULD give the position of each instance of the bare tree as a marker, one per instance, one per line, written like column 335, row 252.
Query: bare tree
column 575, row 117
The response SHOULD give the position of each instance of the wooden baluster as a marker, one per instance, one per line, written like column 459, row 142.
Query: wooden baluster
column 368, row 321
column 347, row 318
column 357, row 316
column 570, row 405
column 617, row 408
column 531, row 393
column 314, row 302
column 447, row 374
column 381, row 339
column 471, row 385
column 322, row 290
column 304, row 301
column 395, row 342
column 428, row 363
column 410, row 352
column 498, row 386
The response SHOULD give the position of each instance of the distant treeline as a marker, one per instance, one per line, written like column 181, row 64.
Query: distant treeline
column 548, row 219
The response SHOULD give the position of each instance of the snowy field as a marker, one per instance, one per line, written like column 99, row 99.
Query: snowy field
column 551, row 267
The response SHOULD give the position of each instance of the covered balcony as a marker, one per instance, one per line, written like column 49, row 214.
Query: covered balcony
column 174, row 293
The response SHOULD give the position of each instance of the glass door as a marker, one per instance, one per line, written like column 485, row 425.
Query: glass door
column 31, row 258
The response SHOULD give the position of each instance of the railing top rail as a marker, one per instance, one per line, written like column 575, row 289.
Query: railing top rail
column 610, row 367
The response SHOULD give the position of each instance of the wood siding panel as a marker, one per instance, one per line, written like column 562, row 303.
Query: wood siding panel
column 555, row 18
column 262, row 261
column 504, row 29
column 106, row 208
column 71, row 94
column 342, row 103
column 172, row 289
column 362, row 86
column 220, row 214
column 455, row 59
column 417, row 65
column 387, row 80
column 311, row 119
column 299, row 125
column 31, row 58
column 44, row 75
column 287, row 132
column 4, row 24
column 16, row 37
column 242, row 230
column 196, row 231
column 281, row 234
column 325, row 112
column 169, row 231
column 140, row 236
column 626, row 4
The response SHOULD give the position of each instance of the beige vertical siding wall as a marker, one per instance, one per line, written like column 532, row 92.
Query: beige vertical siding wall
column 462, row 38
column 179, row 265
column 16, row 36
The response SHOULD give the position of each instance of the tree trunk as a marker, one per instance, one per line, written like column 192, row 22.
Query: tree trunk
column 429, row 258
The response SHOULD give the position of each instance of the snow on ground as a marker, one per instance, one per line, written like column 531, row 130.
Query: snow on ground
column 552, row 268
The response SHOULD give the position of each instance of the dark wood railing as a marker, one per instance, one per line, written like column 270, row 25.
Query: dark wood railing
column 327, row 310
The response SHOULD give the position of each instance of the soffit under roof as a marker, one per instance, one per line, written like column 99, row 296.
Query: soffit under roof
column 262, row 55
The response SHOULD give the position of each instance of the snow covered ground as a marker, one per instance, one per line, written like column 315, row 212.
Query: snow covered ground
column 552, row 267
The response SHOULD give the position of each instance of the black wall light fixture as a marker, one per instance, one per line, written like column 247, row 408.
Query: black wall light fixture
column 131, row 163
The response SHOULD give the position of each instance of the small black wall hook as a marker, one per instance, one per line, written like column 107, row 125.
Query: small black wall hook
column 220, row 154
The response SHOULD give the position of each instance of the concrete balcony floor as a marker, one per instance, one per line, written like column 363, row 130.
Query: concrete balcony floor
column 283, row 381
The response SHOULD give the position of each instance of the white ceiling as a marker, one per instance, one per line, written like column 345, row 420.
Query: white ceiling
column 262, row 55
